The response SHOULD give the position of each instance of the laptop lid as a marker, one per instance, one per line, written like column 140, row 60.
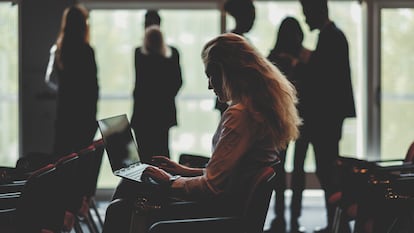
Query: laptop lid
column 119, row 142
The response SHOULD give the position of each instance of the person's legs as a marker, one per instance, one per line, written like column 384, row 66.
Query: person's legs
column 298, row 181
column 326, row 153
column 124, row 202
column 161, row 146
column 139, row 215
column 152, row 141
column 279, row 223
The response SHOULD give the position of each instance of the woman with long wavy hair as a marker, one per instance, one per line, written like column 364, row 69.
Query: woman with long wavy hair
column 78, row 89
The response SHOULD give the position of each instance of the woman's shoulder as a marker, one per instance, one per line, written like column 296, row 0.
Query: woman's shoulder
column 235, row 111
column 174, row 51
column 234, row 115
column 239, row 107
column 239, row 114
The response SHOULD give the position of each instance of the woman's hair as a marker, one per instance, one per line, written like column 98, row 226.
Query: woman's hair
column 289, row 37
column 152, row 17
column 251, row 79
column 74, row 31
column 154, row 41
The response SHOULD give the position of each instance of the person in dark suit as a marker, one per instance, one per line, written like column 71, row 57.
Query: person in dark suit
column 244, row 14
column 290, row 56
column 330, row 97
column 157, row 82
column 78, row 89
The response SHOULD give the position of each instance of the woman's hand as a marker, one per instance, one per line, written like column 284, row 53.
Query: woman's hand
column 168, row 165
column 158, row 175
column 175, row 168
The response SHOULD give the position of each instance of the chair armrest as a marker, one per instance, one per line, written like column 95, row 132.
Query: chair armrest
column 195, row 161
column 199, row 225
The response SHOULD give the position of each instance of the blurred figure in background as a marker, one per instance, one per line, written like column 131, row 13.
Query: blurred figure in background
column 78, row 90
column 330, row 97
column 157, row 82
column 290, row 56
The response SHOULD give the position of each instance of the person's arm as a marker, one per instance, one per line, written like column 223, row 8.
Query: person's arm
column 176, row 168
column 236, row 137
column 178, row 80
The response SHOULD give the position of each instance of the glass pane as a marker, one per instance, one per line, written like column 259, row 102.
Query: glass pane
column 9, row 135
column 116, row 33
column 397, row 86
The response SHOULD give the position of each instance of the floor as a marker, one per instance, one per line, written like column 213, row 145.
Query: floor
column 313, row 212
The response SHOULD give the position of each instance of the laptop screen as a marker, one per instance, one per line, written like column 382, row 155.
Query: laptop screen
column 119, row 141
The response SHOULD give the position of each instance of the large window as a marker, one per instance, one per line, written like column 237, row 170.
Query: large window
column 9, row 84
column 115, row 34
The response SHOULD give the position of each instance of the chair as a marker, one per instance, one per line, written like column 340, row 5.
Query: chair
column 358, row 175
column 11, row 185
column 84, row 211
column 251, row 219
column 12, row 182
column 67, row 167
column 99, row 151
column 192, row 160
column 386, row 203
column 410, row 153
column 39, row 207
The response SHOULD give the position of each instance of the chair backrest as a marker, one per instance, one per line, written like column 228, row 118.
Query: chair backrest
column 9, row 195
column 67, row 169
column 80, row 174
column 193, row 160
column 91, row 159
column 258, row 199
column 38, row 206
column 409, row 157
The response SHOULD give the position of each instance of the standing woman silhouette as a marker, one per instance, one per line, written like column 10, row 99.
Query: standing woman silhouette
column 157, row 82
column 78, row 89
column 290, row 56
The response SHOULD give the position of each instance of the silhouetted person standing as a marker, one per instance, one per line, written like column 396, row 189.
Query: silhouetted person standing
column 244, row 14
column 78, row 90
column 157, row 82
column 290, row 57
column 330, row 96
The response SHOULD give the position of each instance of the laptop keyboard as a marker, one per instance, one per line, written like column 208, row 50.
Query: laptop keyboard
column 135, row 172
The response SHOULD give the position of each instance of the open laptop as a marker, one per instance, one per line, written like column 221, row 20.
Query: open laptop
column 121, row 147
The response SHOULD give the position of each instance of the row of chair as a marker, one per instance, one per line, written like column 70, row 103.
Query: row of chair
column 57, row 197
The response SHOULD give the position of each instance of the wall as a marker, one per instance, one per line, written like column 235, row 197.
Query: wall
column 39, row 24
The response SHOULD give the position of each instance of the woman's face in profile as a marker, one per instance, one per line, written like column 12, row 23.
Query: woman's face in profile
column 215, row 80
